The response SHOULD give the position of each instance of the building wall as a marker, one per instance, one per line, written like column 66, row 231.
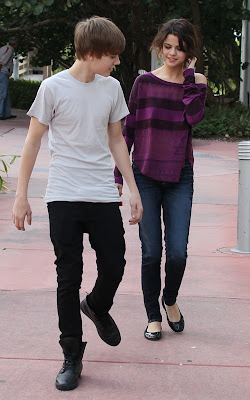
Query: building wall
column 24, row 70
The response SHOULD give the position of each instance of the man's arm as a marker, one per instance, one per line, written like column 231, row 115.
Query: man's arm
column 21, row 208
column 119, row 151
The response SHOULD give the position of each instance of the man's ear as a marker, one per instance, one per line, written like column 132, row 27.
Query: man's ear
column 90, row 56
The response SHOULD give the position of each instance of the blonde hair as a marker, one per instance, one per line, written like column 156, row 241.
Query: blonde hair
column 98, row 36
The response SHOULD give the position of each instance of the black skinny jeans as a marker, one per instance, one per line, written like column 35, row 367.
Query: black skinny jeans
column 68, row 222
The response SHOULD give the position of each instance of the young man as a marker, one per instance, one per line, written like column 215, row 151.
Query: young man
column 83, row 107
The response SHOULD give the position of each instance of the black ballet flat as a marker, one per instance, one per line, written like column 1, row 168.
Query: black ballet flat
column 175, row 326
column 152, row 335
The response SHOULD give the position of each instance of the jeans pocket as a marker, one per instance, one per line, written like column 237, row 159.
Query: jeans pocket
column 136, row 170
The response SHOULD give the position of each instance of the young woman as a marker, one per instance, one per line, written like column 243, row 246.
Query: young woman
column 164, row 105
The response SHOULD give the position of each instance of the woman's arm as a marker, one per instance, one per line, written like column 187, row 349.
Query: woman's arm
column 128, row 130
column 195, row 93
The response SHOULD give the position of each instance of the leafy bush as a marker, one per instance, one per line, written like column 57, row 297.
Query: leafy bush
column 224, row 120
column 23, row 93
column 232, row 120
column 5, row 167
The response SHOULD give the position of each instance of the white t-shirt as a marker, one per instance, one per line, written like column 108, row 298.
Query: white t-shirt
column 78, row 115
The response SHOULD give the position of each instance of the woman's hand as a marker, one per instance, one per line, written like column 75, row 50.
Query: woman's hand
column 119, row 187
column 190, row 63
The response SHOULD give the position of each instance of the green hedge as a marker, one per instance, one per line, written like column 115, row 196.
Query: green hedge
column 233, row 121
column 224, row 121
column 23, row 93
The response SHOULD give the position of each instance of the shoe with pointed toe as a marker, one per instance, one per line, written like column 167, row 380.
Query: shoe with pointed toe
column 175, row 326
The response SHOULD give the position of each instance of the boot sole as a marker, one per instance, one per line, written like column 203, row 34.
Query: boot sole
column 65, row 388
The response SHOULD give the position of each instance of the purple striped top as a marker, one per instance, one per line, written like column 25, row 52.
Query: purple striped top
column 160, row 124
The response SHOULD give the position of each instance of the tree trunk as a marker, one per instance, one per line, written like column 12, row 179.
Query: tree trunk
column 197, row 23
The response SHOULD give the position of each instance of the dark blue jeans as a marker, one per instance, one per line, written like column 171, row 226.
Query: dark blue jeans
column 5, row 109
column 68, row 222
column 171, row 203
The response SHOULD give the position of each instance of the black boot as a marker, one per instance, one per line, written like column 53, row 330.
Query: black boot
column 73, row 350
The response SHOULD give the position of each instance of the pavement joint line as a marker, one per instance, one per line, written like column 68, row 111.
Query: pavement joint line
column 214, row 204
column 218, row 253
column 214, row 175
column 2, row 134
column 183, row 364
column 212, row 226
column 35, row 219
column 12, row 191
column 40, row 290
column 44, row 290
column 14, row 248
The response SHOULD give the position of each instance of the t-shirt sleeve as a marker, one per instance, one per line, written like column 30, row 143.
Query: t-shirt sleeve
column 43, row 105
column 119, row 108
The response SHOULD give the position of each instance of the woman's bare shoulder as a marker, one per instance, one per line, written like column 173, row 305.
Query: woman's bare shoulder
column 200, row 78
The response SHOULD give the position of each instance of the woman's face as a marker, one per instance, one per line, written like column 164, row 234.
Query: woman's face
column 171, row 53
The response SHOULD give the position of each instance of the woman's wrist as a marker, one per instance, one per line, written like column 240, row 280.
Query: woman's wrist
column 188, row 72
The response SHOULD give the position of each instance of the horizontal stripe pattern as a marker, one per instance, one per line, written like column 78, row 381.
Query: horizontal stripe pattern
column 159, row 125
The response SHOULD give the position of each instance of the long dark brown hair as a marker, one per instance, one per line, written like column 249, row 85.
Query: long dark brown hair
column 181, row 28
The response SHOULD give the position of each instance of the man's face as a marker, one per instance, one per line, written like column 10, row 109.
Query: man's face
column 105, row 65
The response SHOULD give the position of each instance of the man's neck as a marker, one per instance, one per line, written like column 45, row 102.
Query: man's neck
column 81, row 71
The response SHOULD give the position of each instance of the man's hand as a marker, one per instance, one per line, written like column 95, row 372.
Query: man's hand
column 136, row 208
column 21, row 209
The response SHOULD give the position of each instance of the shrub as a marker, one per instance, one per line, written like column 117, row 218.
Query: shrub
column 5, row 167
column 224, row 120
column 232, row 120
column 23, row 93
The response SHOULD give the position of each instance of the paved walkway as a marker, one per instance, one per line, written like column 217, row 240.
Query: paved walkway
column 208, row 361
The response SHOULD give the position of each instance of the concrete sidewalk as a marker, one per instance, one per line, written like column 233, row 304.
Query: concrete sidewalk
column 208, row 361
